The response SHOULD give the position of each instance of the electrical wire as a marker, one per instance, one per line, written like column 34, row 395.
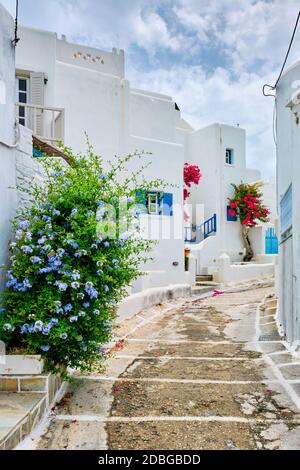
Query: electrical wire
column 273, row 87
column 16, row 39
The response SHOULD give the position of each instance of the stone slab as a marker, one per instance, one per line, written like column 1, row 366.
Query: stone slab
column 15, row 415
column 21, row 365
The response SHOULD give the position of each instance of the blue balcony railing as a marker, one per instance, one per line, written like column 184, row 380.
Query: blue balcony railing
column 197, row 233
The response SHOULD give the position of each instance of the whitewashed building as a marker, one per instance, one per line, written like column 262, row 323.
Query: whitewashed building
column 288, row 197
column 8, row 133
column 64, row 90
column 220, row 151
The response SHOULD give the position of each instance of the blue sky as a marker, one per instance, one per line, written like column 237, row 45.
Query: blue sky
column 212, row 56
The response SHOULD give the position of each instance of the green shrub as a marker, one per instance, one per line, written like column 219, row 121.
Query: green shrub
column 68, row 268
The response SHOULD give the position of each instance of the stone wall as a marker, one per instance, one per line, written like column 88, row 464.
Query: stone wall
column 228, row 272
column 27, row 168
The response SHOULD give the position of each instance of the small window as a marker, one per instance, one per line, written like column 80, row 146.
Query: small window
column 155, row 203
column 286, row 213
column 231, row 215
column 22, row 91
column 153, row 206
column 229, row 156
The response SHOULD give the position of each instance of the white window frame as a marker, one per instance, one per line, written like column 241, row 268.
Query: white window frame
column 229, row 156
column 27, row 99
column 152, row 202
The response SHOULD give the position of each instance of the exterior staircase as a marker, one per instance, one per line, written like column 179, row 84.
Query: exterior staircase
column 206, row 280
column 197, row 233
column 24, row 401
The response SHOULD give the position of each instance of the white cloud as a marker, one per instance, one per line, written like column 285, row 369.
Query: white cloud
column 247, row 30
column 204, row 99
column 237, row 46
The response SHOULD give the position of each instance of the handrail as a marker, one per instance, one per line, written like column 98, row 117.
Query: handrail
column 37, row 106
column 210, row 226
column 201, row 232
column 50, row 129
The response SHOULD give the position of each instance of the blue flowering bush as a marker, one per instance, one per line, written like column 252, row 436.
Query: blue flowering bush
column 71, row 262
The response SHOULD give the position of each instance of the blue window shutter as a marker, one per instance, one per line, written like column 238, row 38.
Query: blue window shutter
column 286, row 211
column 231, row 218
column 141, row 201
column 271, row 242
column 167, row 204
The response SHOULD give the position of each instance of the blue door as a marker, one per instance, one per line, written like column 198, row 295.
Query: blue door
column 271, row 242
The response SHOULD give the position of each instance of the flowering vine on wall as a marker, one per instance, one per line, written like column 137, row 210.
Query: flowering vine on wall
column 191, row 175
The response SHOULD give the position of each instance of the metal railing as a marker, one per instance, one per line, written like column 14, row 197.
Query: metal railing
column 198, row 233
column 46, row 122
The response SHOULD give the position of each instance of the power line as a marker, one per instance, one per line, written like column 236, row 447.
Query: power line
column 16, row 39
column 271, row 87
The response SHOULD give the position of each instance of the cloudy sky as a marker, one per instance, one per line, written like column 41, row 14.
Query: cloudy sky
column 212, row 56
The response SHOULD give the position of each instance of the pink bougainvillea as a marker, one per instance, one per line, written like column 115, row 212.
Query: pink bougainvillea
column 247, row 204
column 192, row 175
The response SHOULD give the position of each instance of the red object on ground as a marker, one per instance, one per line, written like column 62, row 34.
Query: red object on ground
column 217, row 292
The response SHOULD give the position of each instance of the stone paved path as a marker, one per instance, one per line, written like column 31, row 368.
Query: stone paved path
column 189, row 375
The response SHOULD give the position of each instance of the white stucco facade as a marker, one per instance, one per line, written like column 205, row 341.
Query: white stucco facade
column 207, row 148
column 288, row 197
column 8, row 135
column 90, row 86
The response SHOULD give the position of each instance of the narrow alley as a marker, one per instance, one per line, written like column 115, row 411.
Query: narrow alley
column 204, row 373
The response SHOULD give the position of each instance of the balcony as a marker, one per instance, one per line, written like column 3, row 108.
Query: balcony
column 47, row 123
column 198, row 233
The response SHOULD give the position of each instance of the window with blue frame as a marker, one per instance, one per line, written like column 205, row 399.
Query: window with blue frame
column 155, row 202
column 286, row 214
column 229, row 156
column 230, row 216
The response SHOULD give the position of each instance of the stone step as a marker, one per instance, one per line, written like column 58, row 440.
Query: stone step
column 19, row 413
column 198, row 290
column 44, row 383
column 211, row 284
column 272, row 303
column 204, row 277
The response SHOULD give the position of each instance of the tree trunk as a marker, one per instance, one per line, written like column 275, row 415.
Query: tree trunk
column 245, row 235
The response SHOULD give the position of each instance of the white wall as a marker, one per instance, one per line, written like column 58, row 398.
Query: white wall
column 36, row 52
column 84, row 81
column 92, row 104
column 288, row 171
column 258, row 234
column 269, row 196
column 8, row 196
column 28, row 168
column 167, row 160
column 90, row 85
column 207, row 148
column 152, row 116
column 235, row 273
